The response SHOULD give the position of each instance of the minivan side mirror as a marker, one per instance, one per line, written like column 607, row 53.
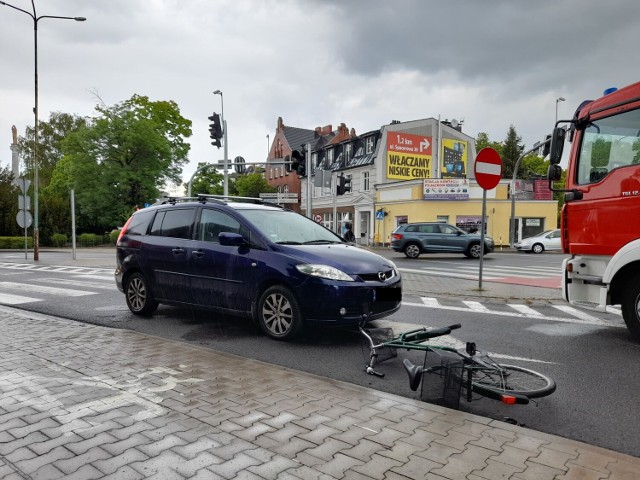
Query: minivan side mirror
column 231, row 239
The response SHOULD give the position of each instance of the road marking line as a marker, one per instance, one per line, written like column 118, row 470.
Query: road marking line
column 526, row 310
column 475, row 306
column 25, row 287
column 430, row 302
column 575, row 312
column 448, row 340
column 586, row 321
column 8, row 299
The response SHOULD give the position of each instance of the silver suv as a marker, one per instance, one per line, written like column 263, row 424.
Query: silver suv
column 434, row 237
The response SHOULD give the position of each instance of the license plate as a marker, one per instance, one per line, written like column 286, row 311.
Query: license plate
column 388, row 294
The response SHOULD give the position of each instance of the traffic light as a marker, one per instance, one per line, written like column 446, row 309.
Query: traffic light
column 344, row 185
column 298, row 162
column 215, row 130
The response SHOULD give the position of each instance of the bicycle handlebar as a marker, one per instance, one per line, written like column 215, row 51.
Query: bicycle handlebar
column 422, row 334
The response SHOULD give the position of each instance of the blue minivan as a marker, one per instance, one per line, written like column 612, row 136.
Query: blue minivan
column 242, row 256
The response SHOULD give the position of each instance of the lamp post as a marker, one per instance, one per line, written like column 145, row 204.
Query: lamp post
column 558, row 100
column 268, row 146
column 224, row 134
column 36, row 19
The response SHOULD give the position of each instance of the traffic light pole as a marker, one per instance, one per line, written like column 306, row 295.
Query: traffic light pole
column 309, row 183
column 226, row 159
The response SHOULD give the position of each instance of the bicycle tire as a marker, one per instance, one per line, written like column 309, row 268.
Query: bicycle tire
column 513, row 379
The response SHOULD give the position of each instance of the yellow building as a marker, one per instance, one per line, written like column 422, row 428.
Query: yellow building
column 407, row 202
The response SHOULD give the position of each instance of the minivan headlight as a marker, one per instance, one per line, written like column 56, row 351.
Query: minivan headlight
column 324, row 271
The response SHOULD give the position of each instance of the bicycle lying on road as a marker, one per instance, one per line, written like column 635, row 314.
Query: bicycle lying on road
column 455, row 373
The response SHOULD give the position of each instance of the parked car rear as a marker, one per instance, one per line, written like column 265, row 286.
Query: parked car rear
column 550, row 240
column 412, row 239
column 244, row 257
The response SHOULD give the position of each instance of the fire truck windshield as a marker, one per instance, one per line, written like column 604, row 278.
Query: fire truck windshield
column 609, row 143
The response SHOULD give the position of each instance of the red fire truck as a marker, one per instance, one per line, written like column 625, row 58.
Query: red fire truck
column 601, row 216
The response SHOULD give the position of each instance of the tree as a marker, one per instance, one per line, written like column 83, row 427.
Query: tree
column 482, row 141
column 511, row 151
column 121, row 159
column 253, row 185
column 51, row 135
column 8, row 204
column 207, row 180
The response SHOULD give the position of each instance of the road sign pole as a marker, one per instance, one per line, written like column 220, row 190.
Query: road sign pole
column 482, row 227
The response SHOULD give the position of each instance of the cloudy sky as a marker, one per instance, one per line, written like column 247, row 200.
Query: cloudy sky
column 491, row 63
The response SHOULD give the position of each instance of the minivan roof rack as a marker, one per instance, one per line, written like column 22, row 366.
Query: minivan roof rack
column 221, row 199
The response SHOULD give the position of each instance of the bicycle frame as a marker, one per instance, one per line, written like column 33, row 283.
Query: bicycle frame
column 414, row 340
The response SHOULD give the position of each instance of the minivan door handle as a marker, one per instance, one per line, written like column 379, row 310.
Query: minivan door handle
column 177, row 250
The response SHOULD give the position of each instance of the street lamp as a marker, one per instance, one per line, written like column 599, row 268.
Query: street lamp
column 558, row 100
column 36, row 19
column 224, row 136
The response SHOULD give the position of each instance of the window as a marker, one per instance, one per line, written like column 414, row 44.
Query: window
column 314, row 160
column 365, row 181
column 140, row 223
column 173, row 223
column 347, row 151
column 608, row 144
column 213, row 222
column 330, row 156
column 369, row 145
column 285, row 189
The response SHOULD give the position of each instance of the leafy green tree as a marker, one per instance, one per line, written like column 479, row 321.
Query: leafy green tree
column 121, row 159
column 8, row 204
column 253, row 185
column 50, row 138
column 207, row 180
column 511, row 151
column 482, row 141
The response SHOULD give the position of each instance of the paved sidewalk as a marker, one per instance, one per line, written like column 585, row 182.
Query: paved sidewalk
column 82, row 401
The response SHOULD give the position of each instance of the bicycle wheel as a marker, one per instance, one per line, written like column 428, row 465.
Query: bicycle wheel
column 512, row 379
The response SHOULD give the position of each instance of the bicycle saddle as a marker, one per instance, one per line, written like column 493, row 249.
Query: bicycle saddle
column 414, row 372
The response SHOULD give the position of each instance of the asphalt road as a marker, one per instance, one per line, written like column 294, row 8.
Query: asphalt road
column 593, row 402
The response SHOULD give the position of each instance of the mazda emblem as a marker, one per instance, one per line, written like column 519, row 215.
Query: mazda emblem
column 382, row 276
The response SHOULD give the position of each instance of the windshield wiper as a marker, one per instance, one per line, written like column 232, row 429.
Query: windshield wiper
column 288, row 242
column 320, row 242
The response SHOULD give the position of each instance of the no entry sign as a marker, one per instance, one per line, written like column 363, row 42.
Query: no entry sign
column 488, row 168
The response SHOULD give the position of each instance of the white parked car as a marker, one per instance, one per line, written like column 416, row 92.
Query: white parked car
column 549, row 240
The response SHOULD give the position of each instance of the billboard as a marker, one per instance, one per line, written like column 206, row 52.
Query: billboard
column 446, row 189
column 454, row 159
column 408, row 156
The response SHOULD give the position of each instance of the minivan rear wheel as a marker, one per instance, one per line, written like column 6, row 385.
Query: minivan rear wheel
column 139, row 296
column 412, row 250
column 279, row 314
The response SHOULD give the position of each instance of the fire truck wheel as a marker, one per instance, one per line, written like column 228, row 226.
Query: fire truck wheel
column 631, row 306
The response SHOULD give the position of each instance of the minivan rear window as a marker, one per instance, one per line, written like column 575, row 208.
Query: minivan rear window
column 140, row 222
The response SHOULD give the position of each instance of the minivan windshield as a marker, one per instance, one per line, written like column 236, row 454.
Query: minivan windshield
column 289, row 228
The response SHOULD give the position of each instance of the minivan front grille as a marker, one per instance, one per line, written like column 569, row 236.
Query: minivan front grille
column 381, row 276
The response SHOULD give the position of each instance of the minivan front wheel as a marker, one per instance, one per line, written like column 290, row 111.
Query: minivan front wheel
column 139, row 297
column 279, row 314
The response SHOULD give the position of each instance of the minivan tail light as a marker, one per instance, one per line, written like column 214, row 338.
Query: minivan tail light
column 124, row 229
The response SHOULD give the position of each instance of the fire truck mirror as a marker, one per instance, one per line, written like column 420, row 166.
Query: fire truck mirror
column 554, row 173
column 557, row 145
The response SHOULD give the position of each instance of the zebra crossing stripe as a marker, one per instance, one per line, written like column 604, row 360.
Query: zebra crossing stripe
column 530, row 312
column 25, row 287
column 430, row 302
column 577, row 313
column 9, row 299
column 475, row 306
